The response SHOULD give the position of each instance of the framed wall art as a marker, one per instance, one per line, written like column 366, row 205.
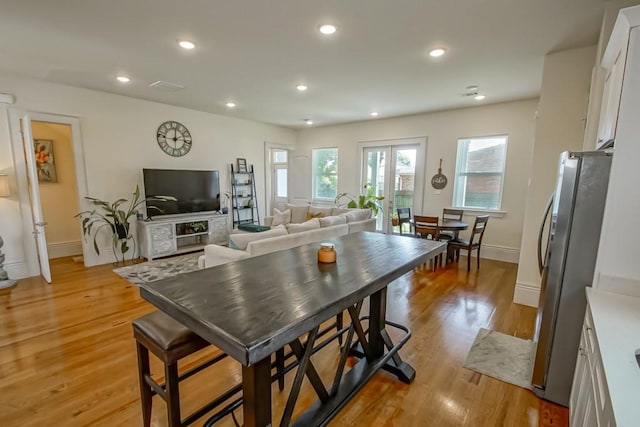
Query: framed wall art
column 45, row 165
column 242, row 165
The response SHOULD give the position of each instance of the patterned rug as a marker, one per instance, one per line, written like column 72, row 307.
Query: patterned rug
column 158, row 269
column 503, row 357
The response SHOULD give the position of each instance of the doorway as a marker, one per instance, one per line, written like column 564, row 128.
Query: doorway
column 395, row 169
column 277, row 176
column 52, row 168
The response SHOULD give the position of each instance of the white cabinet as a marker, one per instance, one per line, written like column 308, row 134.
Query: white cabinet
column 186, row 233
column 612, row 90
column 590, row 404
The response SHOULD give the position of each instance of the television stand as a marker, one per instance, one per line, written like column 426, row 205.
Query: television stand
column 178, row 234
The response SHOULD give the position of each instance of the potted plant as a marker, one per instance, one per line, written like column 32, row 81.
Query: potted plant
column 115, row 217
column 395, row 220
column 368, row 200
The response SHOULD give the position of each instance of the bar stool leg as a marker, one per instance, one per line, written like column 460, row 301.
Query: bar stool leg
column 280, row 368
column 145, row 390
column 339, row 325
column 173, row 394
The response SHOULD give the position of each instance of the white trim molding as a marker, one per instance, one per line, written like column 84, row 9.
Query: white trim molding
column 526, row 294
column 17, row 270
column 500, row 253
column 63, row 249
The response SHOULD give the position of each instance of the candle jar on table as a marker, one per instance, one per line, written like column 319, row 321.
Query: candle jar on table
column 327, row 253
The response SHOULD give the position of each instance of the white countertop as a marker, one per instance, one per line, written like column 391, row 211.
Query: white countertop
column 616, row 320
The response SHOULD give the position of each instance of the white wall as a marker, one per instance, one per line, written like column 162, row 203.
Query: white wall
column 560, row 126
column 118, row 135
column 442, row 130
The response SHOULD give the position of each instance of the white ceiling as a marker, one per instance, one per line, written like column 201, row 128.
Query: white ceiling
column 254, row 52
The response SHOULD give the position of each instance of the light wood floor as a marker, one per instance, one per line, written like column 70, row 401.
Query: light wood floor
column 67, row 356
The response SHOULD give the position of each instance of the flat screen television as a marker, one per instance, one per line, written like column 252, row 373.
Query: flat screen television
column 195, row 191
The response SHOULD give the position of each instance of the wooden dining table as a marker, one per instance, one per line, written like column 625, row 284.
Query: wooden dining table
column 254, row 307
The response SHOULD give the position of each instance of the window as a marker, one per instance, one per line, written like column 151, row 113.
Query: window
column 480, row 172
column 325, row 173
column 280, row 170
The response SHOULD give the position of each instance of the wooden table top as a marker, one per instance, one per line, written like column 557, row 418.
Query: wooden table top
column 453, row 225
column 252, row 307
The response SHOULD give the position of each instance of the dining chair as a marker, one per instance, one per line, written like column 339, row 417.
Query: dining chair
column 474, row 242
column 428, row 226
column 404, row 217
column 452, row 214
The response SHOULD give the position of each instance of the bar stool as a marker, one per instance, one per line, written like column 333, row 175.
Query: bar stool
column 169, row 341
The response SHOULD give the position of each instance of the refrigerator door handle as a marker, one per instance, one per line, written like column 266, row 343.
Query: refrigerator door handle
column 541, row 256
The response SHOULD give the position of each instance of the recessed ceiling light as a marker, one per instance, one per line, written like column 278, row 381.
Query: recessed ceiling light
column 479, row 97
column 472, row 88
column 308, row 121
column 186, row 44
column 123, row 79
column 327, row 29
column 231, row 105
column 374, row 114
column 301, row 87
column 436, row 52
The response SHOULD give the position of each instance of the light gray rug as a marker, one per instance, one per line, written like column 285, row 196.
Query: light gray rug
column 158, row 269
column 503, row 357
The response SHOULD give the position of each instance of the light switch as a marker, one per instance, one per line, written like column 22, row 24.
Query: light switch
column 438, row 192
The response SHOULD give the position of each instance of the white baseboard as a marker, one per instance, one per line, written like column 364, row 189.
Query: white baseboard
column 500, row 253
column 526, row 294
column 17, row 270
column 63, row 249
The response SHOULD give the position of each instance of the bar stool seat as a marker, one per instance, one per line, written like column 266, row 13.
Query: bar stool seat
column 169, row 341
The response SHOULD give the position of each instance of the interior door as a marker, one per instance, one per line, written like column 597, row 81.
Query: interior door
column 34, row 196
column 392, row 172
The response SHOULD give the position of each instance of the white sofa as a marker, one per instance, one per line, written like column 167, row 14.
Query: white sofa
column 297, row 232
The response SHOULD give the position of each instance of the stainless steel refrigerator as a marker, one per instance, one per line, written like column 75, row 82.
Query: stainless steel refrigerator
column 576, row 211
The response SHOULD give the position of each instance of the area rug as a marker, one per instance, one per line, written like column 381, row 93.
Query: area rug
column 158, row 269
column 503, row 357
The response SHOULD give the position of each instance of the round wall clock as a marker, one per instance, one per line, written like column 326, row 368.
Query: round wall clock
column 174, row 138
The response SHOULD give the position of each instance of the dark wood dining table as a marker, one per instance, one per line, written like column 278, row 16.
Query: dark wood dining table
column 254, row 307
column 453, row 225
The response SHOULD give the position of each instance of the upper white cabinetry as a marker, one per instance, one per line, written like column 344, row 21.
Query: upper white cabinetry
column 614, row 63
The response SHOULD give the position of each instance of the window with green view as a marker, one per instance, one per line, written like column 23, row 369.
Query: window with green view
column 325, row 173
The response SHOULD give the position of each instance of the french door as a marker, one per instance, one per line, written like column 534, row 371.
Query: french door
column 395, row 169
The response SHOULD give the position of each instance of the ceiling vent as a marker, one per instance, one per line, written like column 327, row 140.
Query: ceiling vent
column 166, row 86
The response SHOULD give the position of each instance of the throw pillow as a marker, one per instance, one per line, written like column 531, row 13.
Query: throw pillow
column 241, row 240
column 312, row 224
column 312, row 215
column 320, row 210
column 338, row 211
column 298, row 213
column 281, row 218
column 358, row 215
column 332, row 220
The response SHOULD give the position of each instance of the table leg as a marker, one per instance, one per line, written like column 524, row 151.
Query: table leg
column 256, row 391
column 378, row 338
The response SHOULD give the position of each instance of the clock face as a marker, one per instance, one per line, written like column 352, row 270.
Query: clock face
column 174, row 138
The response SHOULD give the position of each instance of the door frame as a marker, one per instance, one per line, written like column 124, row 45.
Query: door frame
column 268, row 184
column 421, row 164
column 15, row 115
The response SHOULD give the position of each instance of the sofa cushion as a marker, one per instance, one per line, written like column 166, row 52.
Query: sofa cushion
column 281, row 218
column 358, row 215
column 312, row 224
column 338, row 211
column 332, row 220
column 298, row 213
column 241, row 240
column 315, row 210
